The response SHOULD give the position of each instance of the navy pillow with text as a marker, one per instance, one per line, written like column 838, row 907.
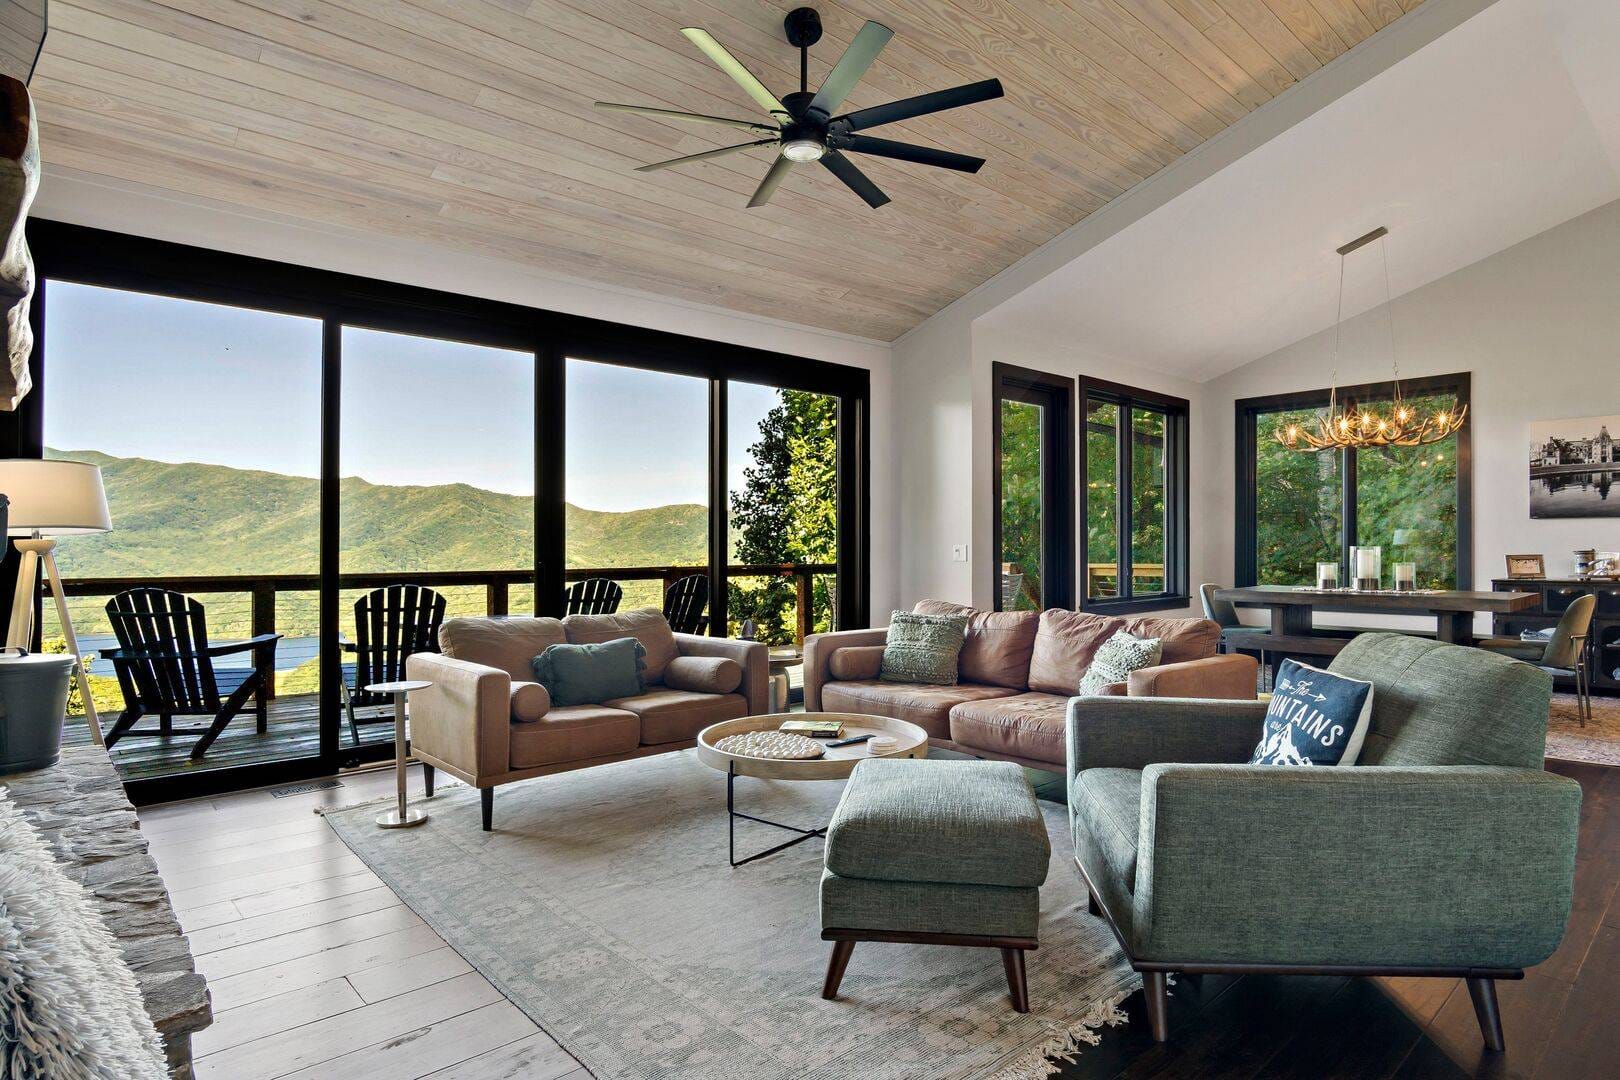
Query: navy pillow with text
column 1315, row 718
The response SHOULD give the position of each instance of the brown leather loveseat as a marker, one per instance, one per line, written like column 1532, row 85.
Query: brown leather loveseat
column 1016, row 674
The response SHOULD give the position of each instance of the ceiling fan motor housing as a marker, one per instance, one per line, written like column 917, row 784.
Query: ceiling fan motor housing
column 803, row 26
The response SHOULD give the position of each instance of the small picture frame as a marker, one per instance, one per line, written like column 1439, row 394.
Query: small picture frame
column 1526, row 566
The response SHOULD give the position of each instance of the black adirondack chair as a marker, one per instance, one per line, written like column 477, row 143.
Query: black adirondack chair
column 685, row 603
column 390, row 624
column 165, row 667
column 593, row 596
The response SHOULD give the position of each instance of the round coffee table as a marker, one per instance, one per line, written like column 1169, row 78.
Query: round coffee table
column 836, row 763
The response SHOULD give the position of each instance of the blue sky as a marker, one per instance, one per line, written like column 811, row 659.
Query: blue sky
column 134, row 375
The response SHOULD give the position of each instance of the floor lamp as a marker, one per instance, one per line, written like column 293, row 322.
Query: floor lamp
column 51, row 499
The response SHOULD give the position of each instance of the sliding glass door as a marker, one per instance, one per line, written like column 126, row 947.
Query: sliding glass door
column 1034, row 467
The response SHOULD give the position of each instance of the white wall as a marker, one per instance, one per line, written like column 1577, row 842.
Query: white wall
column 66, row 195
column 1537, row 325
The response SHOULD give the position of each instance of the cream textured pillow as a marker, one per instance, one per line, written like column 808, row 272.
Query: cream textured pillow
column 923, row 648
column 1116, row 658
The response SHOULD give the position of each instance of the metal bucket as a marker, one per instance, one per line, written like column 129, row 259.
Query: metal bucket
column 33, row 707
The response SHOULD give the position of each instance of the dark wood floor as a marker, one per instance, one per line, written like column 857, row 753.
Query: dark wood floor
column 293, row 732
column 1562, row 1021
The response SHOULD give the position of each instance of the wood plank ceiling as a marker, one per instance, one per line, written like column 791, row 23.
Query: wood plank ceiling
column 468, row 124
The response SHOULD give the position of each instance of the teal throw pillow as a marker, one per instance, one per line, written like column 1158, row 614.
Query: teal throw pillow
column 923, row 648
column 591, row 674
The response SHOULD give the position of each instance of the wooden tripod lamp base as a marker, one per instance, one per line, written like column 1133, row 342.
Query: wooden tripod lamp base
column 36, row 552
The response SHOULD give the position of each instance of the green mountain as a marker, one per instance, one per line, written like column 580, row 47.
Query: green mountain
column 192, row 519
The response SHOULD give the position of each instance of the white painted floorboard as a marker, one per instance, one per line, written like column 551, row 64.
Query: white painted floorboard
column 317, row 969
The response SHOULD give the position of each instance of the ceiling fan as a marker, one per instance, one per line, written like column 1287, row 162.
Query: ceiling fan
column 803, row 125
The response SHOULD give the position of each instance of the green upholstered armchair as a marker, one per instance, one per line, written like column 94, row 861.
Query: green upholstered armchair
column 1446, row 851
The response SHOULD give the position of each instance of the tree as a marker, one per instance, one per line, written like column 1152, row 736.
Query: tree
column 787, row 512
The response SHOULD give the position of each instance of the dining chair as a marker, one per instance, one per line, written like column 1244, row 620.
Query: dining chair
column 1235, row 636
column 1564, row 653
column 592, row 596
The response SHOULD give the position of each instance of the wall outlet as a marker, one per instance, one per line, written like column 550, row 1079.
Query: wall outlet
column 959, row 553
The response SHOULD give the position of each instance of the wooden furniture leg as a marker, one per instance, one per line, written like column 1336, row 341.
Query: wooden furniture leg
column 427, row 779
column 1091, row 903
column 836, row 963
column 486, row 797
column 1483, row 991
column 1156, row 987
column 1455, row 627
column 1013, row 961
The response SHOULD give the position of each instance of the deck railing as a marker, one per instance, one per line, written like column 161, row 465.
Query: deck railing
column 263, row 589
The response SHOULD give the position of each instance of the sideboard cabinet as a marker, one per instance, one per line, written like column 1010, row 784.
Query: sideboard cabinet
column 1556, row 594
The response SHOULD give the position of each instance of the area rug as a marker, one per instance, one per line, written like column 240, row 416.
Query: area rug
column 1597, row 742
column 603, row 906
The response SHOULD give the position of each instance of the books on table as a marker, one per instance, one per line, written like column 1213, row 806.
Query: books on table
column 815, row 729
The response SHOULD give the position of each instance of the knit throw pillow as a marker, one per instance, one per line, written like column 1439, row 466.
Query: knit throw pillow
column 923, row 648
column 1117, row 658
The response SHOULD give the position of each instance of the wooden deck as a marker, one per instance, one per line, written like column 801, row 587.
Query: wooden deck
column 294, row 732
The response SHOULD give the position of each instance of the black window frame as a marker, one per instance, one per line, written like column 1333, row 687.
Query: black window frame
column 1246, row 567
column 90, row 256
column 1177, row 412
column 1055, row 395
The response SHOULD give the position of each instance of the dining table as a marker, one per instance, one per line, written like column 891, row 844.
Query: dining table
column 1293, row 610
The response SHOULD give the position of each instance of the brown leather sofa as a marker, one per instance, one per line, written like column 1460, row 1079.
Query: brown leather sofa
column 485, row 721
column 1017, row 672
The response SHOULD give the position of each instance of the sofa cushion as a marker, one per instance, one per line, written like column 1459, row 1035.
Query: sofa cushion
column 927, row 706
column 923, row 648
column 529, row 701
column 1065, row 643
column 645, row 625
column 574, row 733
column 998, row 645
column 703, row 674
column 1109, row 803
column 968, row 822
column 678, row 715
column 508, row 644
column 1029, row 726
column 856, row 662
column 1439, row 704
column 591, row 674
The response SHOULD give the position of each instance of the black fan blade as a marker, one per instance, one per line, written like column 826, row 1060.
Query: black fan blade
column 922, row 105
column 773, row 180
column 703, row 156
column 922, row 155
column 676, row 114
column 843, row 168
column 851, row 66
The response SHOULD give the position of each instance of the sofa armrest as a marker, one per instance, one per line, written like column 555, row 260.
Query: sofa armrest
column 818, row 650
column 754, row 657
column 1455, row 866
column 1233, row 677
column 1132, row 733
column 465, row 718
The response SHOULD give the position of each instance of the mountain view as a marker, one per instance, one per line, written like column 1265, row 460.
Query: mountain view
column 176, row 519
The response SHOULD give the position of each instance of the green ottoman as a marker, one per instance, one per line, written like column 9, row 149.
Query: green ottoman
column 935, row 853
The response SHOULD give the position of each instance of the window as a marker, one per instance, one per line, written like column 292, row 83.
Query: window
column 1296, row 509
column 1135, row 538
column 1034, row 527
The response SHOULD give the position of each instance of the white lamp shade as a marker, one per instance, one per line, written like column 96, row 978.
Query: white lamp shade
column 54, row 498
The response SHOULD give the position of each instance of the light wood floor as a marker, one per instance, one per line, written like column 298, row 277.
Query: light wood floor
column 317, row 969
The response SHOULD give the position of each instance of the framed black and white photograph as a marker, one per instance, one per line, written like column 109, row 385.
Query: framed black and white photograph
column 1574, row 465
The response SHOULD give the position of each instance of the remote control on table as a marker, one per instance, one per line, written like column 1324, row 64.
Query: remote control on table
column 850, row 741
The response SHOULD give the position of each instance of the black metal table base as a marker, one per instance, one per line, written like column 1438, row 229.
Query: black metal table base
column 732, row 814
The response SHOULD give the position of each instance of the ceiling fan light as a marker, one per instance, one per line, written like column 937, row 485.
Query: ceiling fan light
column 803, row 150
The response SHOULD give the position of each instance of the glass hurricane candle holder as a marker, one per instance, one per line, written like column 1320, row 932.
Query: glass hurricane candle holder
column 1327, row 575
column 1367, row 568
column 1405, row 577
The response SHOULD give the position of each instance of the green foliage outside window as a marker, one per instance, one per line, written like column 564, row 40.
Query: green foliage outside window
column 1021, row 505
column 787, row 512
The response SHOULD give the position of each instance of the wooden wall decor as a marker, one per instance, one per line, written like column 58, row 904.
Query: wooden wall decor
column 468, row 124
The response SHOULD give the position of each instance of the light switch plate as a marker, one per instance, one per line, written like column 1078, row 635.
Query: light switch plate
column 959, row 553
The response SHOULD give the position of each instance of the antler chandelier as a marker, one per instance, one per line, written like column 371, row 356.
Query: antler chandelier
column 1358, row 426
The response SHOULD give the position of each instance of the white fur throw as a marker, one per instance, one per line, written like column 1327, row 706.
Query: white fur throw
column 69, row 1005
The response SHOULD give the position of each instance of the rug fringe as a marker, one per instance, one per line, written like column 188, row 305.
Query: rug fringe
column 1048, row 1058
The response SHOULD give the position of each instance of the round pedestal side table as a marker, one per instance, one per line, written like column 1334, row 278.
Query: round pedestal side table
column 402, row 816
